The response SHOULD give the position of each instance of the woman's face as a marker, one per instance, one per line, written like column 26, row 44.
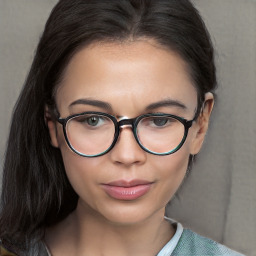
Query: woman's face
column 127, row 185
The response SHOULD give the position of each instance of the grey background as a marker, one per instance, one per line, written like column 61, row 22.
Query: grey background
column 218, row 199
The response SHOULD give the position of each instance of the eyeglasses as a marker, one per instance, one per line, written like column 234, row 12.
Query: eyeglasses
column 92, row 134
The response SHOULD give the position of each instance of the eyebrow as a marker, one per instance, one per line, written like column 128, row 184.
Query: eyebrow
column 107, row 106
column 166, row 103
column 96, row 103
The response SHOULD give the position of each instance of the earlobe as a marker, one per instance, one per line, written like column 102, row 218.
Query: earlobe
column 202, row 123
column 51, row 124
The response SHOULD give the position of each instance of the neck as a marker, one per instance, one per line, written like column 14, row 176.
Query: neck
column 89, row 233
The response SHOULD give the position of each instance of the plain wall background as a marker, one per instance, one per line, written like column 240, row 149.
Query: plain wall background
column 218, row 199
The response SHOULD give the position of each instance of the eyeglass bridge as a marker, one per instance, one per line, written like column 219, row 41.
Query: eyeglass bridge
column 124, row 121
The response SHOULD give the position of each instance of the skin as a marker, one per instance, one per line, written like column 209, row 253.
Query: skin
column 129, row 76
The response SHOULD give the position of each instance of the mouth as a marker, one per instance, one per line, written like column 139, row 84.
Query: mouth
column 127, row 190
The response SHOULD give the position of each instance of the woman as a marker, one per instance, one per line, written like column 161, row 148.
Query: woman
column 115, row 106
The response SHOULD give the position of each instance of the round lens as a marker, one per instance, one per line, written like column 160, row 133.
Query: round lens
column 90, row 134
column 160, row 134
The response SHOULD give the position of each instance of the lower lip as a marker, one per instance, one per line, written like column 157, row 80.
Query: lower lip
column 127, row 193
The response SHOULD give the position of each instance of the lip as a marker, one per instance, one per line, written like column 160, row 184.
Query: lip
column 127, row 190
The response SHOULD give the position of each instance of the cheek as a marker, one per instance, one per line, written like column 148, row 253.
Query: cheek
column 78, row 169
column 174, row 165
column 83, row 176
column 171, row 172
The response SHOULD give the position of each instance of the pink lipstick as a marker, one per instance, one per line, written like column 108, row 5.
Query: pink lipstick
column 127, row 190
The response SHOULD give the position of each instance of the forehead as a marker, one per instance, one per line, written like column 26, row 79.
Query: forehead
column 133, row 73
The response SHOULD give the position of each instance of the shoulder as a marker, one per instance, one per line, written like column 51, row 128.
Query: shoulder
column 5, row 250
column 190, row 243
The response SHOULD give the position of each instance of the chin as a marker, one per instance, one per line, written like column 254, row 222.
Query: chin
column 128, row 213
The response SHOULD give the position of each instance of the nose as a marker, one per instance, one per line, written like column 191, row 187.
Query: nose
column 126, row 150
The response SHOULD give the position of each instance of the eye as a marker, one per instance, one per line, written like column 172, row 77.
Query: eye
column 157, row 122
column 160, row 121
column 93, row 120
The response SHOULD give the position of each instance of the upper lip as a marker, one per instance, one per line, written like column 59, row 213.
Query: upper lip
column 125, row 183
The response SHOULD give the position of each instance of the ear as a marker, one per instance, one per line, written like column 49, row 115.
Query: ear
column 202, row 123
column 51, row 124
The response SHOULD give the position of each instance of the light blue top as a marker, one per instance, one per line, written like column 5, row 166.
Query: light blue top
column 187, row 243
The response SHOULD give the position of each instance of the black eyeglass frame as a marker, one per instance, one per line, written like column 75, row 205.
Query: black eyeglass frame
column 133, row 122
